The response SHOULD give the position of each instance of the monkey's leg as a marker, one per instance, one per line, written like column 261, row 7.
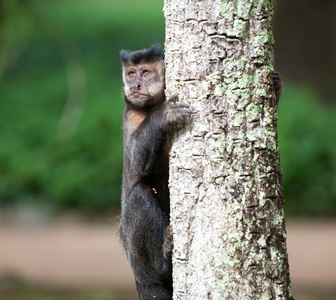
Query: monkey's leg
column 143, row 225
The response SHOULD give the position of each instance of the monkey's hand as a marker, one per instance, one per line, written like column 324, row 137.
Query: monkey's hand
column 167, row 245
column 174, row 112
column 277, row 84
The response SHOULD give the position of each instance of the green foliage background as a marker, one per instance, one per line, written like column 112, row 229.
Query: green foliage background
column 61, row 107
column 61, row 104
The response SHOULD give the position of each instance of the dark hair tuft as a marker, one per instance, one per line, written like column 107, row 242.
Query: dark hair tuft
column 152, row 54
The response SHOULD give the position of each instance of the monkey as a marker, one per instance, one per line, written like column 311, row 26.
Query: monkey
column 145, row 209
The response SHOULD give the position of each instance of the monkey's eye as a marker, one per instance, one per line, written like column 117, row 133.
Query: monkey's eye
column 146, row 74
column 131, row 74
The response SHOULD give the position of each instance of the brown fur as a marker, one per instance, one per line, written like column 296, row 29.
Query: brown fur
column 134, row 118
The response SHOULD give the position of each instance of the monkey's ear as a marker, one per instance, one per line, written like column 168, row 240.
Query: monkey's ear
column 125, row 56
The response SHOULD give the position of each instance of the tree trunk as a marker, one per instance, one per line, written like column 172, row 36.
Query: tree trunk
column 225, row 175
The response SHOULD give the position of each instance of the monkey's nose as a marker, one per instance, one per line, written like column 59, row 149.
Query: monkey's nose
column 136, row 86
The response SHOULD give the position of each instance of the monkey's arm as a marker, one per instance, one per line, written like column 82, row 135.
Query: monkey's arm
column 144, row 145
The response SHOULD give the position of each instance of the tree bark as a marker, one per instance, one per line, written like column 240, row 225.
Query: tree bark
column 225, row 175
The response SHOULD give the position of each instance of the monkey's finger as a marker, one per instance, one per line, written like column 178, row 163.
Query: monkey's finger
column 185, row 111
column 276, row 76
column 183, row 105
column 189, row 110
column 173, row 98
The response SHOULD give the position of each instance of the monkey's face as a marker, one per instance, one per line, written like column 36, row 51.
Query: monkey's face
column 144, row 84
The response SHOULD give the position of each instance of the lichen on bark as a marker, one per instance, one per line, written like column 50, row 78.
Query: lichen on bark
column 225, row 176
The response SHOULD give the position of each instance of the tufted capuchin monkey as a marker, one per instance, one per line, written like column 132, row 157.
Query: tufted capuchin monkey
column 144, row 227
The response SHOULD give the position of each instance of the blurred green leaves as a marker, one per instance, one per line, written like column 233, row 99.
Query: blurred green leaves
column 308, row 152
column 60, row 98
column 61, row 108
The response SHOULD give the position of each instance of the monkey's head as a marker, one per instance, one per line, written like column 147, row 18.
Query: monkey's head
column 143, row 76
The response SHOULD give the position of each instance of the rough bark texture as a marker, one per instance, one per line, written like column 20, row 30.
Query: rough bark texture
column 225, row 175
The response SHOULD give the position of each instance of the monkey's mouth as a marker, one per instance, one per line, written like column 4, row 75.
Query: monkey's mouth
column 138, row 96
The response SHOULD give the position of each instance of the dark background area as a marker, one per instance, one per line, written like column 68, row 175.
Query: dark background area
column 61, row 108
